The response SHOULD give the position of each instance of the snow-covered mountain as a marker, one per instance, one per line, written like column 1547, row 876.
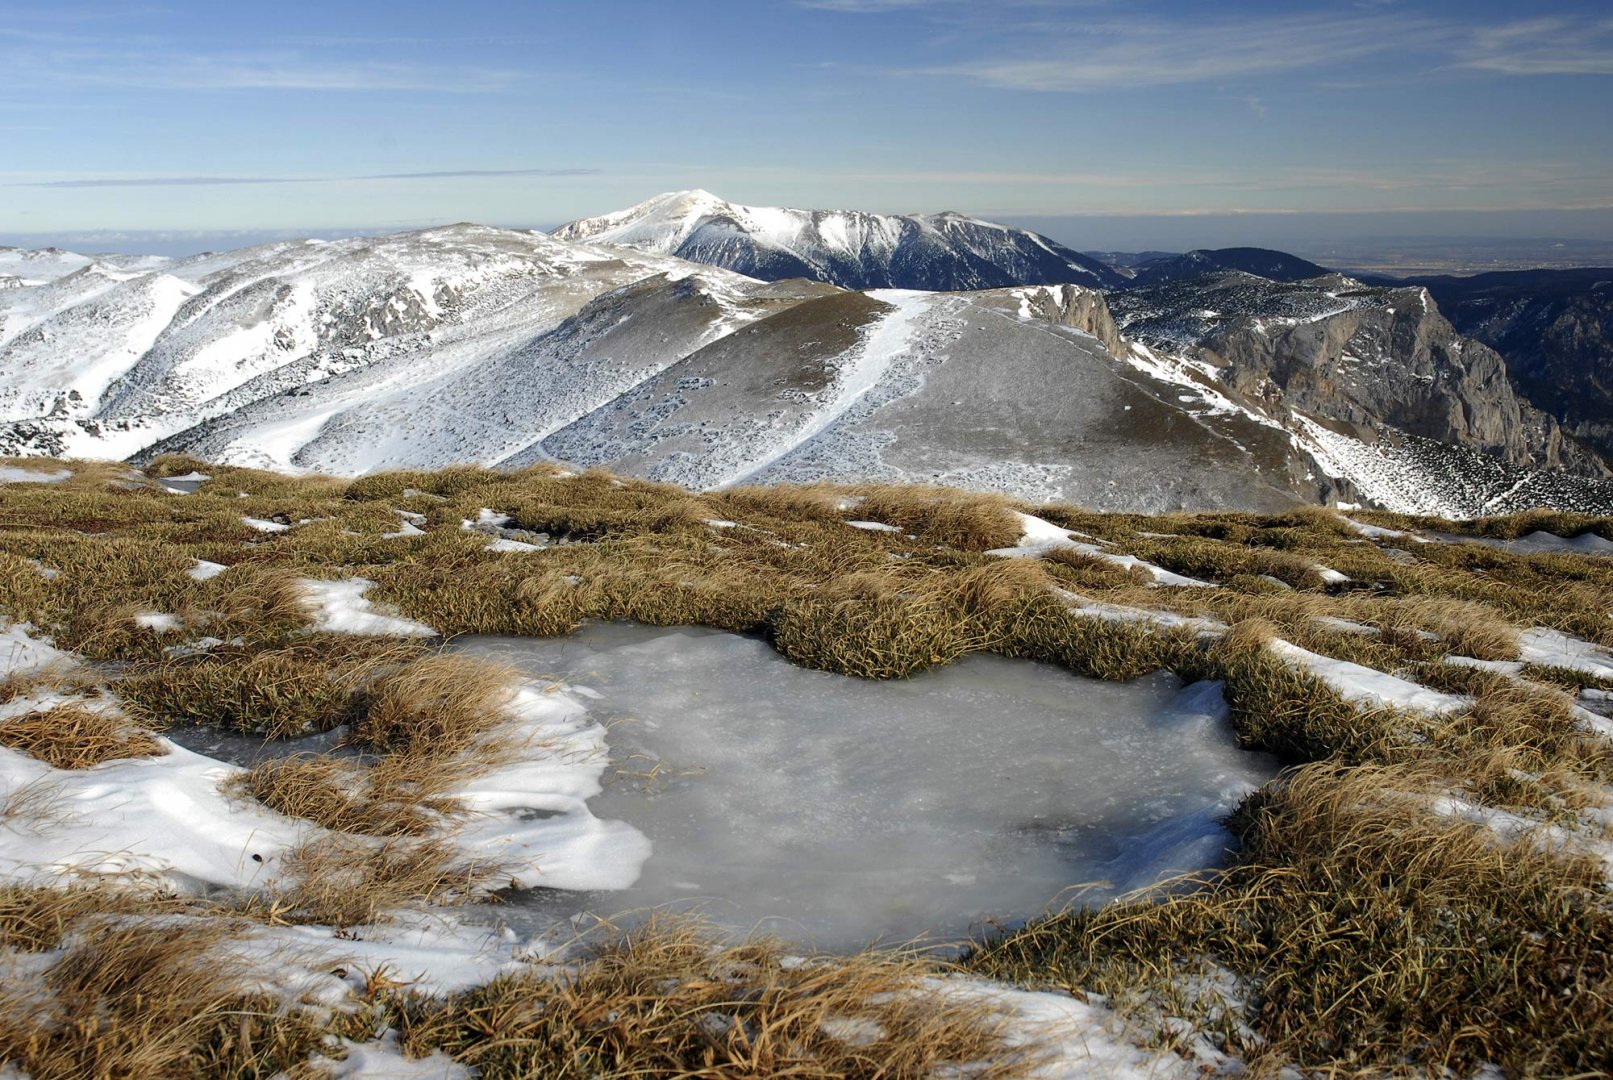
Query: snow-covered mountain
column 473, row 344
column 105, row 360
column 847, row 248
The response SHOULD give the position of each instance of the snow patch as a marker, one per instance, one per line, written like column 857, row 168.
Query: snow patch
column 1041, row 536
column 1367, row 687
column 340, row 607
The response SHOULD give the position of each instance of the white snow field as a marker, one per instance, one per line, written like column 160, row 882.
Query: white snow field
column 470, row 344
column 842, row 811
column 848, row 248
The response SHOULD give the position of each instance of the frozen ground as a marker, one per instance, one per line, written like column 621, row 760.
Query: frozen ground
column 841, row 811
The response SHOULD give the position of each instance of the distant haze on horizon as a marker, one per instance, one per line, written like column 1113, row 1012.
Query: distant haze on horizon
column 1107, row 124
column 1564, row 237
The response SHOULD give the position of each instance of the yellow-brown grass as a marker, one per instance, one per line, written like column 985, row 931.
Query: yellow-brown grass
column 277, row 692
column 1353, row 914
column 969, row 522
column 73, row 736
column 392, row 797
column 661, row 1001
column 345, row 880
column 443, row 706
column 1341, row 913
column 147, row 999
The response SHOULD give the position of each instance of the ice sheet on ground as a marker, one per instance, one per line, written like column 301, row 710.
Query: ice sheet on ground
column 843, row 810
column 340, row 607
column 1366, row 686
column 265, row 525
column 1538, row 543
column 1041, row 536
column 11, row 474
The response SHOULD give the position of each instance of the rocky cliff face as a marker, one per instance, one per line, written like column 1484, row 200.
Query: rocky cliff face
column 1073, row 306
column 1371, row 362
column 1555, row 329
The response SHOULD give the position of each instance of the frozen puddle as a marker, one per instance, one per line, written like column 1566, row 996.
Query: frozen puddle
column 841, row 811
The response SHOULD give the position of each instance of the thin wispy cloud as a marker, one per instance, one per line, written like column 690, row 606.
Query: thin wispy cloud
column 1545, row 46
column 1075, row 55
column 226, row 181
column 1138, row 52
column 864, row 7
column 156, row 67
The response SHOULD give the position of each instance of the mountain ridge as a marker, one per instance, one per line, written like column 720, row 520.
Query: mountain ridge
column 851, row 249
column 471, row 344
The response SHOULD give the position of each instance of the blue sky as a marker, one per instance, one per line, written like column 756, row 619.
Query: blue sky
column 336, row 115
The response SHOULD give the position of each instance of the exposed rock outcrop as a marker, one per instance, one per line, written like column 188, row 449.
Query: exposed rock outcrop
column 1372, row 362
column 1555, row 330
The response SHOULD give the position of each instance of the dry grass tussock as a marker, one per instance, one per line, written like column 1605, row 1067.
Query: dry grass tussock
column 339, row 879
column 143, row 998
column 74, row 736
column 441, row 705
column 313, row 685
column 968, row 522
column 662, row 1001
column 1369, row 933
column 392, row 797
column 136, row 990
column 429, row 723
column 390, row 817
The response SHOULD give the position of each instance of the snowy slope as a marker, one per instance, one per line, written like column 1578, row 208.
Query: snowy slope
column 472, row 344
column 847, row 248
column 104, row 362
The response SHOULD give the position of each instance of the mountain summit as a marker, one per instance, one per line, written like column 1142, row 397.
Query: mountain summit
column 854, row 250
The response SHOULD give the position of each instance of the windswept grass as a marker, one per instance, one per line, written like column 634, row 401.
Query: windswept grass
column 277, row 692
column 145, row 998
column 346, row 880
column 74, row 736
column 437, row 706
column 1357, row 929
column 661, row 1001
column 1365, row 934
column 386, row 799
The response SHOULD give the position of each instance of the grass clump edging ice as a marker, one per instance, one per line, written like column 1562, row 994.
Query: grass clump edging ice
column 1419, row 893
